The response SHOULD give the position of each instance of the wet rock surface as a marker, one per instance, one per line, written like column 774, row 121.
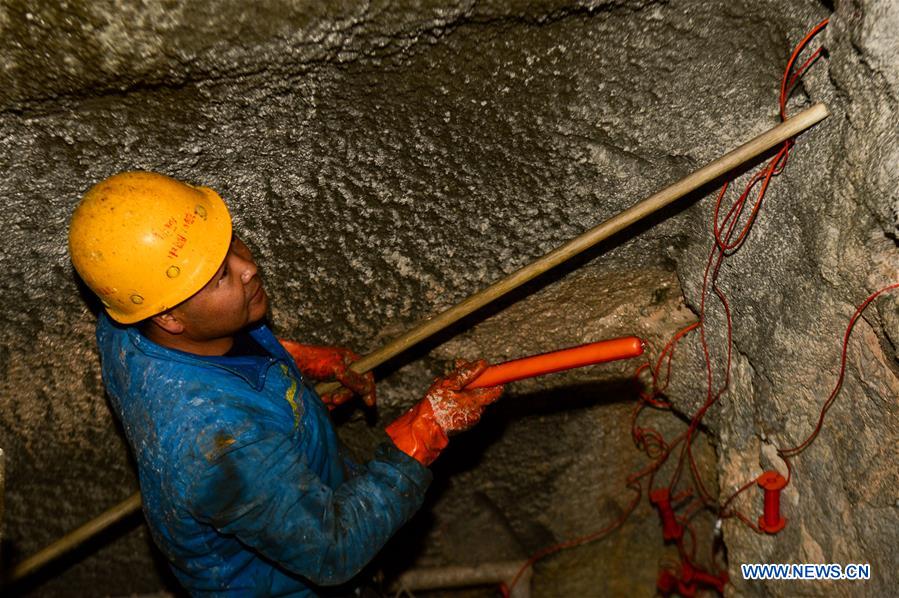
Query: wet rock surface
column 385, row 161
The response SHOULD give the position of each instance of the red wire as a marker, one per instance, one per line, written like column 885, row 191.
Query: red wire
column 650, row 441
column 792, row 452
column 740, row 490
column 786, row 88
column 725, row 247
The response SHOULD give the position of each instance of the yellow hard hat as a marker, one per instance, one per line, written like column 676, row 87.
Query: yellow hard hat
column 144, row 242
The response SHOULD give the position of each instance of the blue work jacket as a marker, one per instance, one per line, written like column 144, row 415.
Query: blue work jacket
column 244, row 485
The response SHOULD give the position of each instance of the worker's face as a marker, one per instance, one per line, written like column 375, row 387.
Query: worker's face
column 230, row 301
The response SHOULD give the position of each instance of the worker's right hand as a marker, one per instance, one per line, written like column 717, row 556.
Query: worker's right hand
column 447, row 408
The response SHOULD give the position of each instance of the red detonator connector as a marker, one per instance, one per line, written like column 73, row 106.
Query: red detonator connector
column 692, row 579
column 668, row 583
column 671, row 529
column 772, row 483
column 693, row 575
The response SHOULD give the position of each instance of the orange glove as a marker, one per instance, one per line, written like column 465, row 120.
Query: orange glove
column 447, row 408
column 332, row 363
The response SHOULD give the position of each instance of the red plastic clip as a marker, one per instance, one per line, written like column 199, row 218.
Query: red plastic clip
column 668, row 583
column 692, row 575
column 772, row 483
column 671, row 529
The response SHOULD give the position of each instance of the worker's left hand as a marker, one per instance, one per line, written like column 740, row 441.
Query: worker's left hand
column 447, row 408
column 332, row 363
column 456, row 408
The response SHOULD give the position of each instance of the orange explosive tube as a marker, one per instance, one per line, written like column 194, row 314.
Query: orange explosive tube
column 556, row 361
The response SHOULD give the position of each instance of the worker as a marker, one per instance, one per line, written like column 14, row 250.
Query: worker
column 245, row 486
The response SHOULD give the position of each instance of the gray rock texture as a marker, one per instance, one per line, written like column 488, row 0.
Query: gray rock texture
column 385, row 160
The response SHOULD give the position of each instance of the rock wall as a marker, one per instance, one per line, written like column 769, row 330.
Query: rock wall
column 385, row 160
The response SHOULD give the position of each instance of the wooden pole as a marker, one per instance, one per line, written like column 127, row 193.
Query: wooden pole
column 600, row 232
column 706, row 174
column 76, row 537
